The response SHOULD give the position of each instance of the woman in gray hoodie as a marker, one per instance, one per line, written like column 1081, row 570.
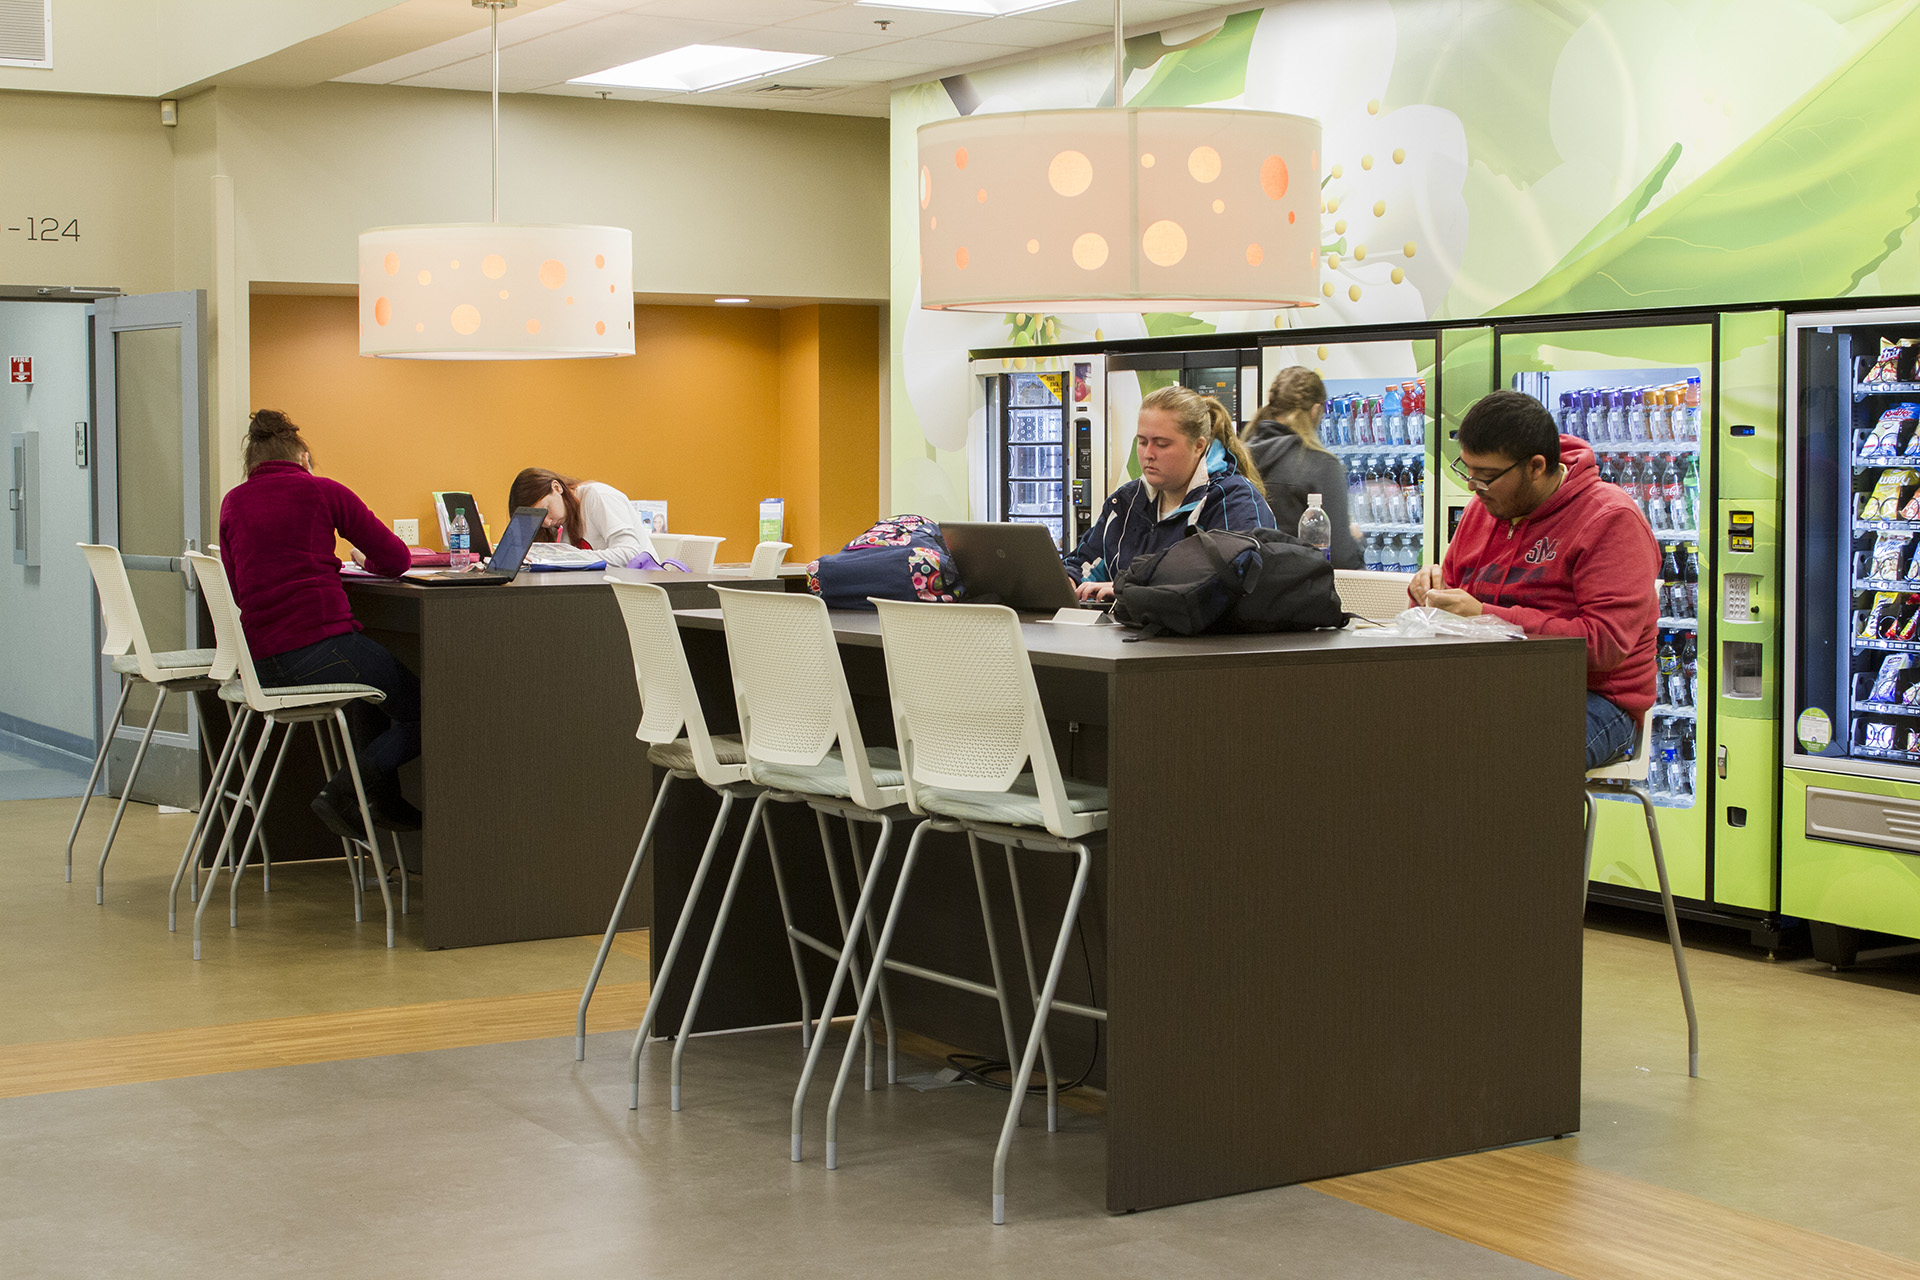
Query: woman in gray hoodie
column 1284, row 439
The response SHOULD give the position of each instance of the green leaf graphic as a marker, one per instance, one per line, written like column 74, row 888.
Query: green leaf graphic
column 1173, row 324
column 1210, row 69
column 1624, row 214
column 1804, row 209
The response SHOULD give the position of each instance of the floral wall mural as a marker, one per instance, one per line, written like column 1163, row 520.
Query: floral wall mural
column 1486, row 158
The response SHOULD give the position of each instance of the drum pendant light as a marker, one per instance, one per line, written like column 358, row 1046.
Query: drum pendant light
column 494, row 290
column 1120, row 209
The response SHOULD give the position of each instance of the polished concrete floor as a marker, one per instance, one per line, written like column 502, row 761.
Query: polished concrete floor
column 511, row 1159
column 29, row 771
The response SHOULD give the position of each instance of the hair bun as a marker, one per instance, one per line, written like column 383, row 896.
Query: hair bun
column 270, row 424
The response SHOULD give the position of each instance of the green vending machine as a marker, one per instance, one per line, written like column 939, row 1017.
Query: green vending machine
column 1678, row 410
column 1850, row 793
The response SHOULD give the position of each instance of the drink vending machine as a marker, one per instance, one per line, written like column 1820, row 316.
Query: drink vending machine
column 1042, row 460
column 1850, row 803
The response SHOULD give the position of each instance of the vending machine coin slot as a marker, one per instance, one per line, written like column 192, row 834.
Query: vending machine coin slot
column 1740, row 531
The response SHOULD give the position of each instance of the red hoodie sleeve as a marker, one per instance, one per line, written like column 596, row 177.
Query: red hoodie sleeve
column 1613, row 591
column 386, row 555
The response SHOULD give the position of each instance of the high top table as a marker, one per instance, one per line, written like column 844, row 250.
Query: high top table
column 533, row 787
column 1336, row 918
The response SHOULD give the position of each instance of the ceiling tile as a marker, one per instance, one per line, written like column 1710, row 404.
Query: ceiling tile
column 947, row 52
column 903, row 24
column 759, row 13
column 798, row 40
column 872, row 70
column 1035, row 32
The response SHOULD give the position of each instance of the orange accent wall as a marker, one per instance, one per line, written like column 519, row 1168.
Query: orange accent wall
column 701, row 416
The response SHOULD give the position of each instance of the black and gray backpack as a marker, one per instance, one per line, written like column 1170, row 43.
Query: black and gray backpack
column 1213, row 581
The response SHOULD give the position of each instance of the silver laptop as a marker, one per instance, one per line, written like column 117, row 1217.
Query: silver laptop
column 1012, row 564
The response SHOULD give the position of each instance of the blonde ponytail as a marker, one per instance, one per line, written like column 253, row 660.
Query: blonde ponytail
column 1293, row 390
column 1203, row 418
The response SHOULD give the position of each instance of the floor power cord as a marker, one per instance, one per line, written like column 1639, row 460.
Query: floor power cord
column 997, row 1073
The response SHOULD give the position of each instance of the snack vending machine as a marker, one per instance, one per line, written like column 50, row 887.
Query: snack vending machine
column 1042, row 456
column 1850, row 805
column 1379, row 424
column 1679, row 412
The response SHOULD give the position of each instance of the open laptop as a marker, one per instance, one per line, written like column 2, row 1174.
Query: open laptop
column 1014, row 564
column 508, row 556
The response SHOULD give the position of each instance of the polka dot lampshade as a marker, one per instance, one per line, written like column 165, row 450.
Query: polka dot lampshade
column 496, row 291
column 1120, row 209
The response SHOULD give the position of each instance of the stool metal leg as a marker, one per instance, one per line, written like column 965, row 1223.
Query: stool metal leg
column 713, row 946
column 993, row 952
column 99, row 763
column 886, row 1002
column 871, row 991
column 613, row 923
column 1044, row 1004
column 786, row 921
column 665, row 969
column 253, row 836
column 212, row 808
column 1593, row 822
column 226, row 841
column 126, row 793
column 330, row 764
column 366, row 819
column 1673, row 932
column 848, row 935
column 1033, row 993
column 861, row 909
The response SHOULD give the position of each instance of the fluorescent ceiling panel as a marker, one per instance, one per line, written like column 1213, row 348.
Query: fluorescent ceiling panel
column 699, row 67
column 978, row 8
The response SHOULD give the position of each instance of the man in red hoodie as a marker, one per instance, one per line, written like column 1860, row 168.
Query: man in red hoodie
column 1554, row 548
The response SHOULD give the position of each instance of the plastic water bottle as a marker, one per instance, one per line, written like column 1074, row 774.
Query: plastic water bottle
column 1315, row 529
column 1417, row 415
column 459, row 540
column 1396, row 416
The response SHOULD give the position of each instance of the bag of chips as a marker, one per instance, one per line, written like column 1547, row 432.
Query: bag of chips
column 1894, row 354
column 1883, row 503
column 1879, row 735
column 1886, row 604
column 1886, row 684
column 1889, row 554
column 1883, row 439
column 1912, row 510
column 1913, row 741
column 1911, row 698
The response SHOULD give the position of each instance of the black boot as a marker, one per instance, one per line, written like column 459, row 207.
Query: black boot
column 339, row 809
column 390, row 808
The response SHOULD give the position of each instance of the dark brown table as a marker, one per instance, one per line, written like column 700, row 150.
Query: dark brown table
column 1335, row 922
column 533, row 787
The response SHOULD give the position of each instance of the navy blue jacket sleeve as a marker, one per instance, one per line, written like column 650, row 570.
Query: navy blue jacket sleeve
column 1238, row 507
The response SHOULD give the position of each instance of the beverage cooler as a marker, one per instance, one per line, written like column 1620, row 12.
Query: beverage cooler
column 1850, row 808
column 1679, row 413
column 1378, row 423
column 1044, row 455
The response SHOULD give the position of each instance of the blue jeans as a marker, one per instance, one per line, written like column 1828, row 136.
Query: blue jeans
column 386, row 734
column 1611, row 732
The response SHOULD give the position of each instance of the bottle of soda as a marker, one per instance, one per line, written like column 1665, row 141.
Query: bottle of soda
column 1396, row 494
column 1672, row 593
column 1669, row 668
column 1395, row 414
column 1690, row 415
column 1416, row 491
column 1417, row 415
column 1636, row 416
column 1316, row 530
column 1690, row 666
column 1690, row 575
column 459, row 540
column 1682, row 779
column 1608, row 475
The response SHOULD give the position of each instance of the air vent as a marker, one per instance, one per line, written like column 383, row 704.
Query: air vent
column 26, row 33
column 790, row 90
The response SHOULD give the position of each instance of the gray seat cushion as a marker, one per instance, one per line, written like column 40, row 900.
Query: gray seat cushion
column 829, row 777
column 1019, row 806
column 678, row 754
column 232, row 691
column 128, row 664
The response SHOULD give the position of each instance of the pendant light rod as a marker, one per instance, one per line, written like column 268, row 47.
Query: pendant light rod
column 496, row 110
column 1119, row 57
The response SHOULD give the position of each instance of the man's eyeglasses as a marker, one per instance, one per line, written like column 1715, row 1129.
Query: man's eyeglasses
column 1475, row 483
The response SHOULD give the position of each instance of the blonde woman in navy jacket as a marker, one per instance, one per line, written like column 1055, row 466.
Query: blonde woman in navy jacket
column 1194, row 473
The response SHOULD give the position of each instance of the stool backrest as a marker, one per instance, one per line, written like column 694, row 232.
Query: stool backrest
column 790, row 688
column 767, row 558
column 965, row 705
column 231, row 655
column 1372, row 593
column 668, row 702
column 117, row 606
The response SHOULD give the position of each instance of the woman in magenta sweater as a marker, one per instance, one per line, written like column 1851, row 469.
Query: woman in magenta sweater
column 277, row 531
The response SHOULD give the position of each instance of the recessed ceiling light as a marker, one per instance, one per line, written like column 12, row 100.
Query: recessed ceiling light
column 976, row 8
column 733, row 300
column 698, row 68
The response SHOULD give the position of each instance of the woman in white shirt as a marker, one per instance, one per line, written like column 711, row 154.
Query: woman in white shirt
column 581, row 513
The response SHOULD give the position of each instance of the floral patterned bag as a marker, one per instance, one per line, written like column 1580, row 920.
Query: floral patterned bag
column 900, row 558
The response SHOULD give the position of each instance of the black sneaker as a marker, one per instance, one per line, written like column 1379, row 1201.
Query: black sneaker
column 394, row 813
column 340, row 812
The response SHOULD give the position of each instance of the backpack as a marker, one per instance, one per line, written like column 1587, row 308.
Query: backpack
column 1216, row 581
column 900, row 558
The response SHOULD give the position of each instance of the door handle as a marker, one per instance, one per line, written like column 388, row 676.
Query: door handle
column 1720, row 757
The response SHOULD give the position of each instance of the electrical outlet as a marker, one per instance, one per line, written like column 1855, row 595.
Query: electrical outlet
column 408, row 531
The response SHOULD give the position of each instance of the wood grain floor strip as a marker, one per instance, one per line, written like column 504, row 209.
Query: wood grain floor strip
column 60, row 1066
column 1593, row 1225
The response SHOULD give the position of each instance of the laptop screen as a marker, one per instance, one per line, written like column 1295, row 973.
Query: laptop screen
column 512, row 550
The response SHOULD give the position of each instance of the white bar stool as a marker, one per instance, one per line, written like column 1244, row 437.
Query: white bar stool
column 321, row 705
column 179, row 671
column 1628, row 778
column 767, row 558
column 978, row 759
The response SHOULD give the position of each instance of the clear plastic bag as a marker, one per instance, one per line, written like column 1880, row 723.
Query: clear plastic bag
column 1422, row 623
